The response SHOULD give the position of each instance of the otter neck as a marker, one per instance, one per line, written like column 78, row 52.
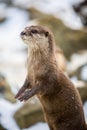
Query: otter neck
column 39, row 54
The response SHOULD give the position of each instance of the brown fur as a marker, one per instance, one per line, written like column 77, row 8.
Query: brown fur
column 60, row 100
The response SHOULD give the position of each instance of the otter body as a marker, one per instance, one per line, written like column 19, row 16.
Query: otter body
column 60, row 100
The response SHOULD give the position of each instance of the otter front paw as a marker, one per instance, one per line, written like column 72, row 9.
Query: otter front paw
column 20, row 92
column 26, row 95
column 23, row 88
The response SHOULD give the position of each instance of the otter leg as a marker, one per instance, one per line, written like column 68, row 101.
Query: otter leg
column 25, row 86
column 29, row 93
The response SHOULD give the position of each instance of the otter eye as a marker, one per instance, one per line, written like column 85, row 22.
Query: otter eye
column 46, row 34
column 34, row 31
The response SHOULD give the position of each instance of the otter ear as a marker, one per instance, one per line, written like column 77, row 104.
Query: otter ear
column 46, row 34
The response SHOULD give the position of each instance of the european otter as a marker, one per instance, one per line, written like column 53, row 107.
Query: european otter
column 60, row 100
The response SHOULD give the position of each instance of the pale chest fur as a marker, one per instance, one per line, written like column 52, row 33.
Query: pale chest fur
column 36, row 70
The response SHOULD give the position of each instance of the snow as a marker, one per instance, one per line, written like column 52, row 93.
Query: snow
column 85, row 110
column 84, row 73
column 7, row 111
column 39, row 126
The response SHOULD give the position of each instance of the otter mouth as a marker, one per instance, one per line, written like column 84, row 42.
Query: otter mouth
column 24, row 35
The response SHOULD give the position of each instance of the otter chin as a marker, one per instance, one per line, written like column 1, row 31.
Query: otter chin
column 61, row 102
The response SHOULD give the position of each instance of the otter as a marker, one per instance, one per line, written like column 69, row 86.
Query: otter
column 60, row 99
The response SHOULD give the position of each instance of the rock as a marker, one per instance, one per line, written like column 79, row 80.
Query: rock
column 8, row 2
column 61, row 60
column 2, row 19
column 2, row 13
column 81, row 11
column 5, row 90
column 28, row 115
column 2, row 87
column 35, row 14
column 1, row 128
column 70, row 41
column 83, row 93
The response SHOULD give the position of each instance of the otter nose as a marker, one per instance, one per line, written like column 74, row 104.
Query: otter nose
column 23, row 33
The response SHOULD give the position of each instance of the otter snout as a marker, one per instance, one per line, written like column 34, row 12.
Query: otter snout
column 26, row 33
column 22, row 33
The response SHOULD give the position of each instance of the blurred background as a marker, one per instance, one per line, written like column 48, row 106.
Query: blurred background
column 68, row 21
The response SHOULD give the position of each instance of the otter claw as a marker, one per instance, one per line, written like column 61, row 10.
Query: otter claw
column 20, row 92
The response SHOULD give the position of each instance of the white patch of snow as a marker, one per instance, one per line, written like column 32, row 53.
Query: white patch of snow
column 7, row 111
column 77, row 60
column 84, row 73
column 85, row 110
column 39, row 126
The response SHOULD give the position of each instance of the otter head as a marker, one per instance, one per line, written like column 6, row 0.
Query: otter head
column 38, row 37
